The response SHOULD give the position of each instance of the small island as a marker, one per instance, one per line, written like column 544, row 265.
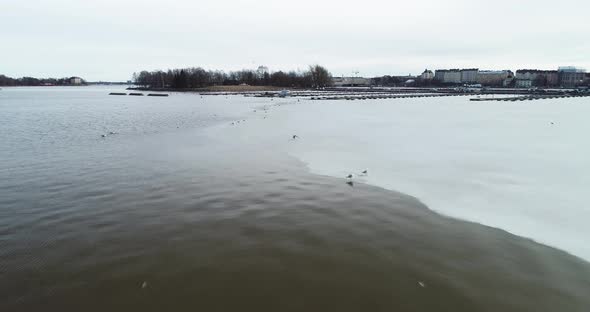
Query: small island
column 201, row 80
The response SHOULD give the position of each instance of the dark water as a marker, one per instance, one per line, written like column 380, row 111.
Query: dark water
column 166, row 215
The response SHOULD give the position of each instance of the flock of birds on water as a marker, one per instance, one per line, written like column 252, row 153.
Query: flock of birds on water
column 110, row 133
column 349, row 177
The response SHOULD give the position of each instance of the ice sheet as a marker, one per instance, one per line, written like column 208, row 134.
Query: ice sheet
column 500, row 164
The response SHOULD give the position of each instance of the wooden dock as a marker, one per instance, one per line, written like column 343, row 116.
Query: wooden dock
column 138, row 94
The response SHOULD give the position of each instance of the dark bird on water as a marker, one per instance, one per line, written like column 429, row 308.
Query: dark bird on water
column 295, row 137
column 349, row 176
column 350, row 183
column 365, row 171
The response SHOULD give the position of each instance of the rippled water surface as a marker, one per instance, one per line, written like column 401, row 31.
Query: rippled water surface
column 169, row 212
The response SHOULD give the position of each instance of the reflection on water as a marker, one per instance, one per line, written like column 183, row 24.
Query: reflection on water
column 180, row 221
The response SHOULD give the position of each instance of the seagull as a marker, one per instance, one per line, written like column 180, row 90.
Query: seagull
column 422, row 284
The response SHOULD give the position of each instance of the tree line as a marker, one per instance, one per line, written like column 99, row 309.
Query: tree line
column 34, row 82
column 196, row 77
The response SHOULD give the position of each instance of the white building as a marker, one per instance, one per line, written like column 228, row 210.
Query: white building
column 427, row 75
column 454, row 76
column 76, row 80
column 524, row 83
column 538, row 78
column 351, row 82
column 448, row 76
column 495, row 77
column 469, row 75
column 570, row 76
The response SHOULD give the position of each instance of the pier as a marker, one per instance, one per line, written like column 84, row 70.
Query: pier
column 138, row 94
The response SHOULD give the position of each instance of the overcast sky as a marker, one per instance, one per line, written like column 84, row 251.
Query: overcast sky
column 111, row 39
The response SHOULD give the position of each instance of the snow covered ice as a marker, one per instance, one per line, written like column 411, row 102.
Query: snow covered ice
column 520, row 166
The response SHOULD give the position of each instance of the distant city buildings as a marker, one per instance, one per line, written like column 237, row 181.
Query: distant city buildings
column 457, row 76
column 448, row 76
column 469, row 75
column 527, row 78
column 495, row 78
column 570, row 76
column 474, row 75
column 564, row 77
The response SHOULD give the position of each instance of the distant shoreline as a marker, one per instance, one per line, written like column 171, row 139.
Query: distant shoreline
column 368, row 90
column 239, row 88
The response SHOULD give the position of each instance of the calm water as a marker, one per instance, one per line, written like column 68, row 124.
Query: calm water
column 170, row 213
